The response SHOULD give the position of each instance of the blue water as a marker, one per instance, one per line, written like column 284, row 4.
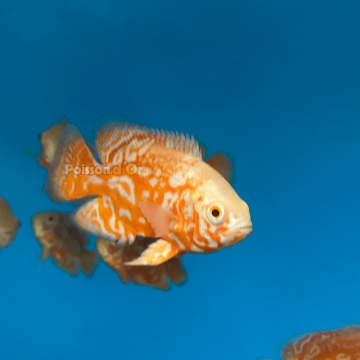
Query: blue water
column 276, row 84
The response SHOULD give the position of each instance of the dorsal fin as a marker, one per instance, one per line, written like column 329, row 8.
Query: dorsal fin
column 113, row 137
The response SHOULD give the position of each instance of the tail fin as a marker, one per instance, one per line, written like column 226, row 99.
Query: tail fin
column 62, row 184
column 175, row 271
column 88, row 261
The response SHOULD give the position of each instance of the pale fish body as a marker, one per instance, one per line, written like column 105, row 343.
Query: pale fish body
column 115, row 255
column 174, row 196
column 63, row 242
column 9, row 224
column 49, row 140
column 339, row 344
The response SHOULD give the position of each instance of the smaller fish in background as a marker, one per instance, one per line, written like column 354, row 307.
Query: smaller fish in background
column 339, row 344
column 114, row 255
column 9, row 224
column 63, row 242
column 49, row 140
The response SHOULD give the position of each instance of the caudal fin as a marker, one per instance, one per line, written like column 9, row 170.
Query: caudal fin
column 88, row 261
column 175, row 271
column 72, row 153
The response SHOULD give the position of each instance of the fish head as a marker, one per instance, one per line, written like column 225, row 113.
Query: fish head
column 56, row 228
column 224, row 218
column 44, row 220
column 44, row 225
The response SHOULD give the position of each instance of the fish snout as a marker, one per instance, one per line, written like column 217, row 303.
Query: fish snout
column 237, row 234
column 244, row 230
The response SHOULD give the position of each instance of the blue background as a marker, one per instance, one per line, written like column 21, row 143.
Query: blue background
column 275, row 84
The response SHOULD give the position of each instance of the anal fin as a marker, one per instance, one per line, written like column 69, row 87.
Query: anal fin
column 156, row 254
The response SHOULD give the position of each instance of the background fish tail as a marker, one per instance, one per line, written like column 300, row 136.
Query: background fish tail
column 70, row 168
column 88, row 261
column 175, row 271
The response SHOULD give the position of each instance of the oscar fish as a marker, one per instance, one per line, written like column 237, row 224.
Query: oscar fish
column 115, row 255
column 148, row 183
column 63, row 242
column 339, row 344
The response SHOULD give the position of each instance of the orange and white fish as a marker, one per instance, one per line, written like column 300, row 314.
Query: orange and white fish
column 9, row 224
column 49, row 140
column 339, row 344
column 115, row 255
column 151, row 183
column 63, row 242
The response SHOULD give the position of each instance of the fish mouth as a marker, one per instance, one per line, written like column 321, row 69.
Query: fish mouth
column 244, row 231
column 238, row 234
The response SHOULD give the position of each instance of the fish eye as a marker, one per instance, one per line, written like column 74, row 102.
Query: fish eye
column 51, row 218
column 216, row 214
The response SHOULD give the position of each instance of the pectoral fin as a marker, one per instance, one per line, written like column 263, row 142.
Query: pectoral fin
column 156, row 254
column 159, row 218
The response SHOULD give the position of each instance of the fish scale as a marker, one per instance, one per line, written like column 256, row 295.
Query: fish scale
column 140, row 186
